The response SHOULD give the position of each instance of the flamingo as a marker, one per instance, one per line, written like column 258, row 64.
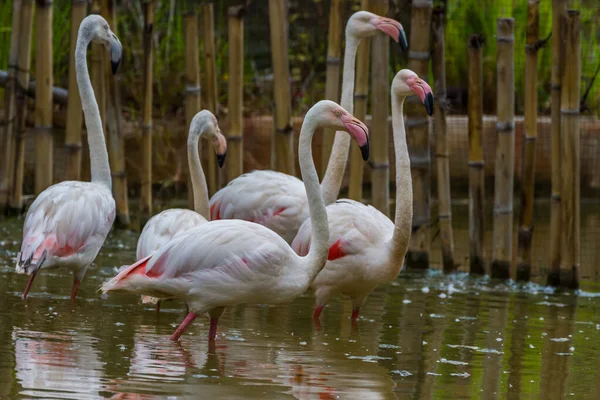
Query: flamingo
column 162, row 227
column 366, row 249
column 229, row 262
column 68, row 222
column 281, row 203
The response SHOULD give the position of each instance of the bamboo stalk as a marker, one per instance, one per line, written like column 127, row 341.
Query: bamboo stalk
column 284, row 134
column 235, row 92
column 44, row 147
column 380, row 95
column 505, row 150
column 332, row 74
column 530, row 137
column 74, row 111
column 418, row 136
column 192, row 78
column 361, row 93
column 441, row 139
column 7, row 171
column 558, row 11
column 20, row 129
column 476, row 161
column 146, row 178
column 210, row 85
column 570, row 153
column 114, row 127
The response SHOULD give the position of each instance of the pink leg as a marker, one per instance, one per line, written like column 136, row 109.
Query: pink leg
column 355, row 311
column 317, row 312
column 181, row 328
column 75, row 288
column 212, row 332
column 29, row 282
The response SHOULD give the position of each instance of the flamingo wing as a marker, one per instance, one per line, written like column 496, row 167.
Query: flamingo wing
column 272, row 199
column 67, row 223
column 220, row 262
column 353, row 227
column 162, row 227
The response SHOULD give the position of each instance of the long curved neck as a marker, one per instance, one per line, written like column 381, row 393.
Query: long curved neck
column 98, row 155
column 404, row 191
column 317, row 255
column 199, row 187
column 334, row 175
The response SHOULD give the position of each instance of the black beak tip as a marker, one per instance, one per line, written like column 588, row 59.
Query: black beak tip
column 364, row 151
column 115, row 66
column 221, row 159
column 402, row 41
column 429, row 103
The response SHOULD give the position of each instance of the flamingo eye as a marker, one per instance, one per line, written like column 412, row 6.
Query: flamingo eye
column 106, row 26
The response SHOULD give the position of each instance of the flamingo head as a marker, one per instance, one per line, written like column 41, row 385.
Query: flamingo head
column 407, row 83
column 338, row 118
column 101, row 33
column 363, row 24
column 205, row 123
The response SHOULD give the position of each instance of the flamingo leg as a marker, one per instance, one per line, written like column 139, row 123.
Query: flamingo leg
column 316, row 315
column 355, row 312
column 158, row 306
column 183, row 326
column 215, row 314
column 29, row 283
column 76, row 284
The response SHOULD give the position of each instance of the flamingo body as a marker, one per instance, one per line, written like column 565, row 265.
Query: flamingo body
column 66, row 226
column 273, row 199
column 358, row 259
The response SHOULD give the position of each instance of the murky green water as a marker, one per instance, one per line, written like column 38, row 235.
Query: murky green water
column 425, row 336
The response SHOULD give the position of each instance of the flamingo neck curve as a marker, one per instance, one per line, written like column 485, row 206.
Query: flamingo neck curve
column 336, row 167
column 100, row 168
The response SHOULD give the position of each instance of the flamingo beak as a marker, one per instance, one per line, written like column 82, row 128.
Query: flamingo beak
column 221, row 159
column 393, row 29
column 423, row 90
column 116, row 51
column 359, row 131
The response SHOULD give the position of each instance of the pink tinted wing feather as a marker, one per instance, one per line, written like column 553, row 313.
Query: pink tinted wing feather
column 66, row 219
column 272, row 199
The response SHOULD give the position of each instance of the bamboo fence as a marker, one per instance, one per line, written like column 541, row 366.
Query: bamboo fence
column 570, row 153
column 505, row 151
column 146, row 178
column 380, row 95
column 418, row 137
column 559, row 8
column 284, row 134
column 23, row 64
column 441, row 139
column 528, row 162
column 476, row 161
column 361, row 97
column 332, row 75
column 235, row 160
column 210, row 87
column 74, row 111
column 10, row 112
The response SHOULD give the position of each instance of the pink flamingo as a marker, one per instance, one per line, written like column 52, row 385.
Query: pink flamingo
column 162, row 227
column 365, row 248
column 229, row 262
column 68, row 222
column 281, row 203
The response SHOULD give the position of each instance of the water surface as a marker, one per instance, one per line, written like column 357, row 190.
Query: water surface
column 423, row 337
